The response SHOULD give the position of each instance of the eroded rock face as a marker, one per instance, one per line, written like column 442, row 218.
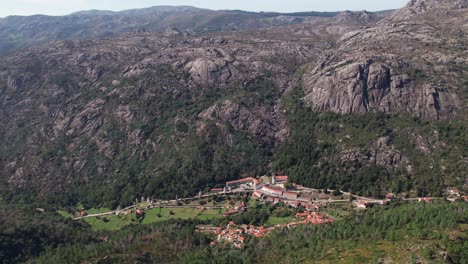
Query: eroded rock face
column 422, row 6
column 262, row 122
column 89, row 120
column 395, row 66
column 22, row 81
column 215, row 67
column 357, row 17
column 124, row 113
column 381, row 153
column 373, row 85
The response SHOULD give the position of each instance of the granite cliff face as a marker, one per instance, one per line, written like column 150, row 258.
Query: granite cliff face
column 395, row 66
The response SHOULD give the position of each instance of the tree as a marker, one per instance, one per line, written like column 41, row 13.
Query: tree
column 337, row 192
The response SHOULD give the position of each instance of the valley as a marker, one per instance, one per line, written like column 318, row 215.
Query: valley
column 165, row 134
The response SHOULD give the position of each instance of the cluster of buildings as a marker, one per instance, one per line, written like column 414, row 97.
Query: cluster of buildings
column 271, row 193
column 314, row 218
column 276, row 192
column 238, row 208
column 268, row 191
column 455, row 194
column 236, row 234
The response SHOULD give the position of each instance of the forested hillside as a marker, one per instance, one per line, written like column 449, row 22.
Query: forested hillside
column 104, row 121
column 406, row 233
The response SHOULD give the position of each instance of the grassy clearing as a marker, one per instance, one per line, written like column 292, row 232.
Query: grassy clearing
column 336, row 213
column 111, row 222
column 273, row 220
column 116, row 222
column 210, row 214
column 65, row 214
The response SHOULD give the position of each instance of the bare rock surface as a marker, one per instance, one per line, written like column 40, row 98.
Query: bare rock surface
column 382, row 153
column 391, row 67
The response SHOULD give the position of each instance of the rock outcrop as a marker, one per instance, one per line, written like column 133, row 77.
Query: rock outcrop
column 393, row 67
column 361, row 17
column 415, row 7
column 214, row 67
column 377, row 84
column 264, row 123
column 381, row 153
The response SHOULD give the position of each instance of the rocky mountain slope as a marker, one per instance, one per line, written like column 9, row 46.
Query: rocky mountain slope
column 19, row 32
column 334, row 102
column 406, row 64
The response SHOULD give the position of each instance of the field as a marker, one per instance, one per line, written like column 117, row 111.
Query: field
column 278, row 216
column 272, row 220
column 116, row 222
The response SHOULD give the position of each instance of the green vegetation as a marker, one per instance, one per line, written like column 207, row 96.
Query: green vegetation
column 401, row 232
column 312, row 154
column 26, row 233
column 155, row 215
column 274, row 220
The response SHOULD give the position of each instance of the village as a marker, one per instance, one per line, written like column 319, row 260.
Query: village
column 306, row 205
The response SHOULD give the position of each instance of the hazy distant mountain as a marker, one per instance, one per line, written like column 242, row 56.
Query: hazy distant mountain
column 24, row 31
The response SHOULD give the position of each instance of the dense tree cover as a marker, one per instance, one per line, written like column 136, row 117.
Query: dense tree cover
column 420, row 229
column 312, row 154
column 26, row 232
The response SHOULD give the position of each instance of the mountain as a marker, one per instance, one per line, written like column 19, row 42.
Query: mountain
column 415, row 7
column 365, row 104
column 19, row 31
column 376, row 69
column 100, row 121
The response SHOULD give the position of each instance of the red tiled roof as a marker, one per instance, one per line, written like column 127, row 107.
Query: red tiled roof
column 281, row 178
column 230, row 212
column 240, row 204
column 290, row 194
column 257, row 193
column 304, row 214
column 273, row 190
